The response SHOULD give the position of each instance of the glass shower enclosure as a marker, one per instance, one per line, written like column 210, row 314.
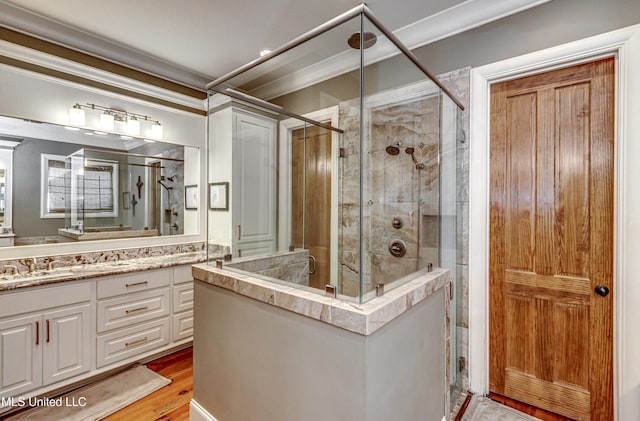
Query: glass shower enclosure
column 332, row 164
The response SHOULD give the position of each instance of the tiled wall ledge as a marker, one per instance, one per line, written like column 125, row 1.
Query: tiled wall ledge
column 72, row 267
column 290, row 266
column 363, row 319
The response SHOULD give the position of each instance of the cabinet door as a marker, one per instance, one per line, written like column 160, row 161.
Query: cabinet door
column 67, row 343
column 20, row 355
column 254, row 180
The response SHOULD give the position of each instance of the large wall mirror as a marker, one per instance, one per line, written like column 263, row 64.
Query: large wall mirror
column 60, row 186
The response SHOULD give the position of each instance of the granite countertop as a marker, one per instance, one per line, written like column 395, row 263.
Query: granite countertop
column 78, row 272
column 363, row 319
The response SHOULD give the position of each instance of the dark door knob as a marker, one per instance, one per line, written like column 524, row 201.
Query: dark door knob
column 602, row 290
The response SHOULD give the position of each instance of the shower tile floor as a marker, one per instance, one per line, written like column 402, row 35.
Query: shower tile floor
column 481, row 408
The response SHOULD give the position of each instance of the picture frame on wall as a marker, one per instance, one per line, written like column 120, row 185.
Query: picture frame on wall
column 191, row 197
column 219, row 196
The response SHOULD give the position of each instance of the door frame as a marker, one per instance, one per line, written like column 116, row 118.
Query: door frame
column 284, row 178
column 624, row 45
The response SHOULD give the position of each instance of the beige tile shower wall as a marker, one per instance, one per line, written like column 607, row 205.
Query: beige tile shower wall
column 290, row 266
column 458, row 82
column 393, row 186
column 399, row 189
column 349, row 208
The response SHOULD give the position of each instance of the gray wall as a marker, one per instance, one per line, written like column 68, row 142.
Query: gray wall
column 26, row 188
column 254, row 361
column 553, row 23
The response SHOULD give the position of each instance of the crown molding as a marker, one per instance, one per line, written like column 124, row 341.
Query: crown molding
column 70, row 67
column 33, row 24
column 460, row 18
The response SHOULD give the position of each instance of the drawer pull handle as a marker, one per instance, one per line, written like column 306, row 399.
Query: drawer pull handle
column 135, row 284
column 137, row 309
column 48, row 332
column 138, row 342
column 37, row 333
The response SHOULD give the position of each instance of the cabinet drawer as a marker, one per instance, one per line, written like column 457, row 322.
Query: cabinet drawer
column 126, row 343
column 182, row 274
column 133, row 308
column 182, row 297
column 134, row 282
column 42, row 298
column 183, row 325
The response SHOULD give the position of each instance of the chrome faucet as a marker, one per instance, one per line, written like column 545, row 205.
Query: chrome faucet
column 12, row 267
column 31, row 266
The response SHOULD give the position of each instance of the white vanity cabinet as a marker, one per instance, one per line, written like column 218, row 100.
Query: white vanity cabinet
column 254, row 177
column 52, row 337
column 45, row 337
column 132, row 314
column 243, row 152
column 182, row 304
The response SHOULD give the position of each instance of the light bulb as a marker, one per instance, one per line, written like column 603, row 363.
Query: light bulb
column 133, row 126
column 76, row 115
column 157, row 130
column 107, row 121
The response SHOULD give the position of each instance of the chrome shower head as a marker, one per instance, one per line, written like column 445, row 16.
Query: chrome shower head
column 369, row 40
column 393, row 149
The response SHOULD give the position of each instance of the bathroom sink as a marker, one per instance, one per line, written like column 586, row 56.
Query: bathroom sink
column 39, row 276
column 48, row 274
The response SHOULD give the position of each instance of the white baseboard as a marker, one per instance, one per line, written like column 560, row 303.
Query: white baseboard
column 198, row 413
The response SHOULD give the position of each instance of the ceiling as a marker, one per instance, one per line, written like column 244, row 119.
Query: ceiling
column 196, row 41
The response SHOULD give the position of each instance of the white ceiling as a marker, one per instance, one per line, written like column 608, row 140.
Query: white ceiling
column 196, row 41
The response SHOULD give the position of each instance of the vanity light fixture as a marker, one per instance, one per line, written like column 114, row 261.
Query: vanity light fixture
column 76, row 115
column 133, row 126
column 157, row 130
column 107, row 121
column 109, row 116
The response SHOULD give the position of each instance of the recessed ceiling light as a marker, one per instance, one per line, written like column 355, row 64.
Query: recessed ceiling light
column 264, row 52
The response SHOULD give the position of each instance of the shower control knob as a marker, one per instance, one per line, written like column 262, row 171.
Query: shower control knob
column 397, row 248
column 397, row 223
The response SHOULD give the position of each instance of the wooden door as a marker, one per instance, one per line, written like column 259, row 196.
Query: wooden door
column 551, row 240
column 311, row 198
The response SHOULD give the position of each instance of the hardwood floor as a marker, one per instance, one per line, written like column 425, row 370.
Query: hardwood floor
column 528, row 409
column 171, row 403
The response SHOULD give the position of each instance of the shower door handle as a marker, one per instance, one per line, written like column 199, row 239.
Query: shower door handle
column 315, row 265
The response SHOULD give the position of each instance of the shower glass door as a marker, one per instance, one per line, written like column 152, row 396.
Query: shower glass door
column 311, row 199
